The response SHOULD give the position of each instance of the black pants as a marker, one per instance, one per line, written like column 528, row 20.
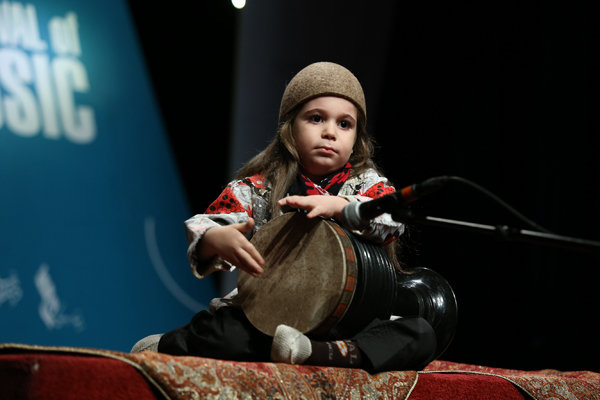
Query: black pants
column 402, row 344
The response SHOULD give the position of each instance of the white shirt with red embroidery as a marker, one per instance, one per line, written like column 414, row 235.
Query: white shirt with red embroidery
column 248, row 197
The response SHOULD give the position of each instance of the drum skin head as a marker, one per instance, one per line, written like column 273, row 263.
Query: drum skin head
column 304, row 274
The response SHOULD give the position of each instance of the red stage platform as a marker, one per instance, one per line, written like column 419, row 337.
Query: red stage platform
column 65, row 373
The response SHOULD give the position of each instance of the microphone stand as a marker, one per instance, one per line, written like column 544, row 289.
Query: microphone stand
column 405, row 215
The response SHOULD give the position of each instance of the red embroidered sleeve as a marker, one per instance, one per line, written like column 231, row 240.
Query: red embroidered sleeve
column 226, row 203
column 378, row 190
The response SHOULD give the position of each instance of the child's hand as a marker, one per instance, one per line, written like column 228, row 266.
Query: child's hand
column 316, row 205
column 229, row 242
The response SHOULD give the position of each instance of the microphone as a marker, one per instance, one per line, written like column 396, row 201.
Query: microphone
column 356, row 215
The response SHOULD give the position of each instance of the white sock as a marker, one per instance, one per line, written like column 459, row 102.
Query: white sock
column 148, row 343
column 290, row 345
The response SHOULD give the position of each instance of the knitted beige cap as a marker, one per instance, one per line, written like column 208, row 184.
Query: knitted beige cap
column 322, row 79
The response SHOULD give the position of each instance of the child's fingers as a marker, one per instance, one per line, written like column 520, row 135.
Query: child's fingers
column 249, row 260
column 254, row 254
column 244, row 226
column 287, row 201
column 314, row 212
column 303, row 202
column 247, row 257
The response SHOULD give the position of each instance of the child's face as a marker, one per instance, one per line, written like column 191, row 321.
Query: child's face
column 325, row 132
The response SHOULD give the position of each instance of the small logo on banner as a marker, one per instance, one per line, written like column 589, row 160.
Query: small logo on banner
column 51, row 310
column 10, row 290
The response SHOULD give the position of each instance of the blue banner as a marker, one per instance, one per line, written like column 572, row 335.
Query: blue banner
column 92, row 244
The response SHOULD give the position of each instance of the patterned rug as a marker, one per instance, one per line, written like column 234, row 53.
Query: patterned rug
column 540, row 385
column 183, row 378
column 200, row 378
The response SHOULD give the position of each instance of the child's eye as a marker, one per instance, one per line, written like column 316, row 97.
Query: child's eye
column 315, row 118
column 345, row 124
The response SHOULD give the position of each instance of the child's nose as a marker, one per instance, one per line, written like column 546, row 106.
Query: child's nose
column 329, row 130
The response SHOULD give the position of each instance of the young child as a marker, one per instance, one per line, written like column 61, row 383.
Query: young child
column 319, row 160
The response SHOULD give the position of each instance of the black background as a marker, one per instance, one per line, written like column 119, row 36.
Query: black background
column 503, row 94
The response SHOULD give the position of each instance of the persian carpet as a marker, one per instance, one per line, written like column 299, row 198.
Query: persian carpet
column 540, row 385
column 182, row 378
